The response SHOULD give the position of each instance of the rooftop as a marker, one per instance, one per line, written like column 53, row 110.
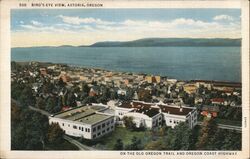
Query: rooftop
column 150, row 109
column 85, row 114
column 175, row 110
column 94, row 118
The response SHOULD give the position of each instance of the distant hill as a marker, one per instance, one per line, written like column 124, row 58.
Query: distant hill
column 164, row 42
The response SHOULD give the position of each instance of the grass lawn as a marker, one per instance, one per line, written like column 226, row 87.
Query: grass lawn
column 126, row 136
column 108, row 141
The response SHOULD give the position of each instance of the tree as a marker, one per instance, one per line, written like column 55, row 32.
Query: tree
column 40, row 103
column 51, row 103
column 71, row 100
column 178, row 138
column 135, row 145
column 129, row 95
column 26, row 97
column 85, row 89
column 128, row 122
column 15, row 113
column 89, row 99
column 144, row 95
column 61, row 83
column 28, row 133
column 55, row 134
column 208, row 130
column 118, row 145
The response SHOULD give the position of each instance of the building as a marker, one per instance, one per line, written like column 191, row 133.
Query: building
column 144, row 114
column 43, row 71
column 173, row 115
column 153, row 79
column 217, row 101
column 190, row 88
column 156, row 114
column 88, row 122
column 209, row 111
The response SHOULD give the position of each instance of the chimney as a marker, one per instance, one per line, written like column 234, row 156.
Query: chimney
column 181, row 109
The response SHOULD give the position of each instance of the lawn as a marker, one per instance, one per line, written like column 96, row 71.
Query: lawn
column 108, row 141
column 126, row 136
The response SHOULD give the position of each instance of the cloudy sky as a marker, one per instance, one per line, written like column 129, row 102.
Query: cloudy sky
column 50, row 27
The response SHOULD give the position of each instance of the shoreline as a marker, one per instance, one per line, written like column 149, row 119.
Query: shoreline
column 123, row 72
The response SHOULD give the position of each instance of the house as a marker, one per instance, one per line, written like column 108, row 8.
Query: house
column 190, row 88
column 198, row 100
column 155, row 114
column 94, row 91
column 87, row 121
column 64, row 108
column 153, row 79
column 217, row 101
column 173, row 115
column 43, row 71
column 121, row 92
column 143, row 114
column 209, row 111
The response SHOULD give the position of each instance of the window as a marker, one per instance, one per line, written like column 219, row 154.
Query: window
column 62, row 124
column 112, row 120
column 94, row 129
column 103, row 131
column 98, row 127
column 174, row 121
column 94, row 136
column 82, row 129
column 68, row 125
column 98, row 134
column 107, row 129
column 79, row 128
column 75, row 127
column 170, row 121
column 86, row 130
column 112, row 127
column 108, row 123
column 103, row 125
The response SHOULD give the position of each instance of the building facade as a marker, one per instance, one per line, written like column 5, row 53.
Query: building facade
column 88, row 122
column 156, row 114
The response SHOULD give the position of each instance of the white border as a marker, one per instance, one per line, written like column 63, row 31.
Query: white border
column 5, row 76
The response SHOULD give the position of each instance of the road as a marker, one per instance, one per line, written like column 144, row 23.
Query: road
column 40, row 111
column 228, row 127
column 78, row 144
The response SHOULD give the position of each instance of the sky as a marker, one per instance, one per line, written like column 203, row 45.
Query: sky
column 55, row 27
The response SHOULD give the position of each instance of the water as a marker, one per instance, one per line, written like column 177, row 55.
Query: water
column 183, row 63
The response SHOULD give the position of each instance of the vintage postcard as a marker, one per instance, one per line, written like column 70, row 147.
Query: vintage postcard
column 124, row 79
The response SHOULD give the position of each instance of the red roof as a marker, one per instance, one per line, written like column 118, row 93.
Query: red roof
column 64, row 108
column 218, row 100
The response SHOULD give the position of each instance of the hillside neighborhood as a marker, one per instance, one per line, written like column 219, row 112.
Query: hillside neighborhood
column 91, row 105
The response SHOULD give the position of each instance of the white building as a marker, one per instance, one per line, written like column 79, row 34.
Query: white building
column 154, row 114
column 96, row 120
column 173, row 115
column 89, row 122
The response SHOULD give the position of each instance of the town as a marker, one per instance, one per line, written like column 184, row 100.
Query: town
column 92, row 104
